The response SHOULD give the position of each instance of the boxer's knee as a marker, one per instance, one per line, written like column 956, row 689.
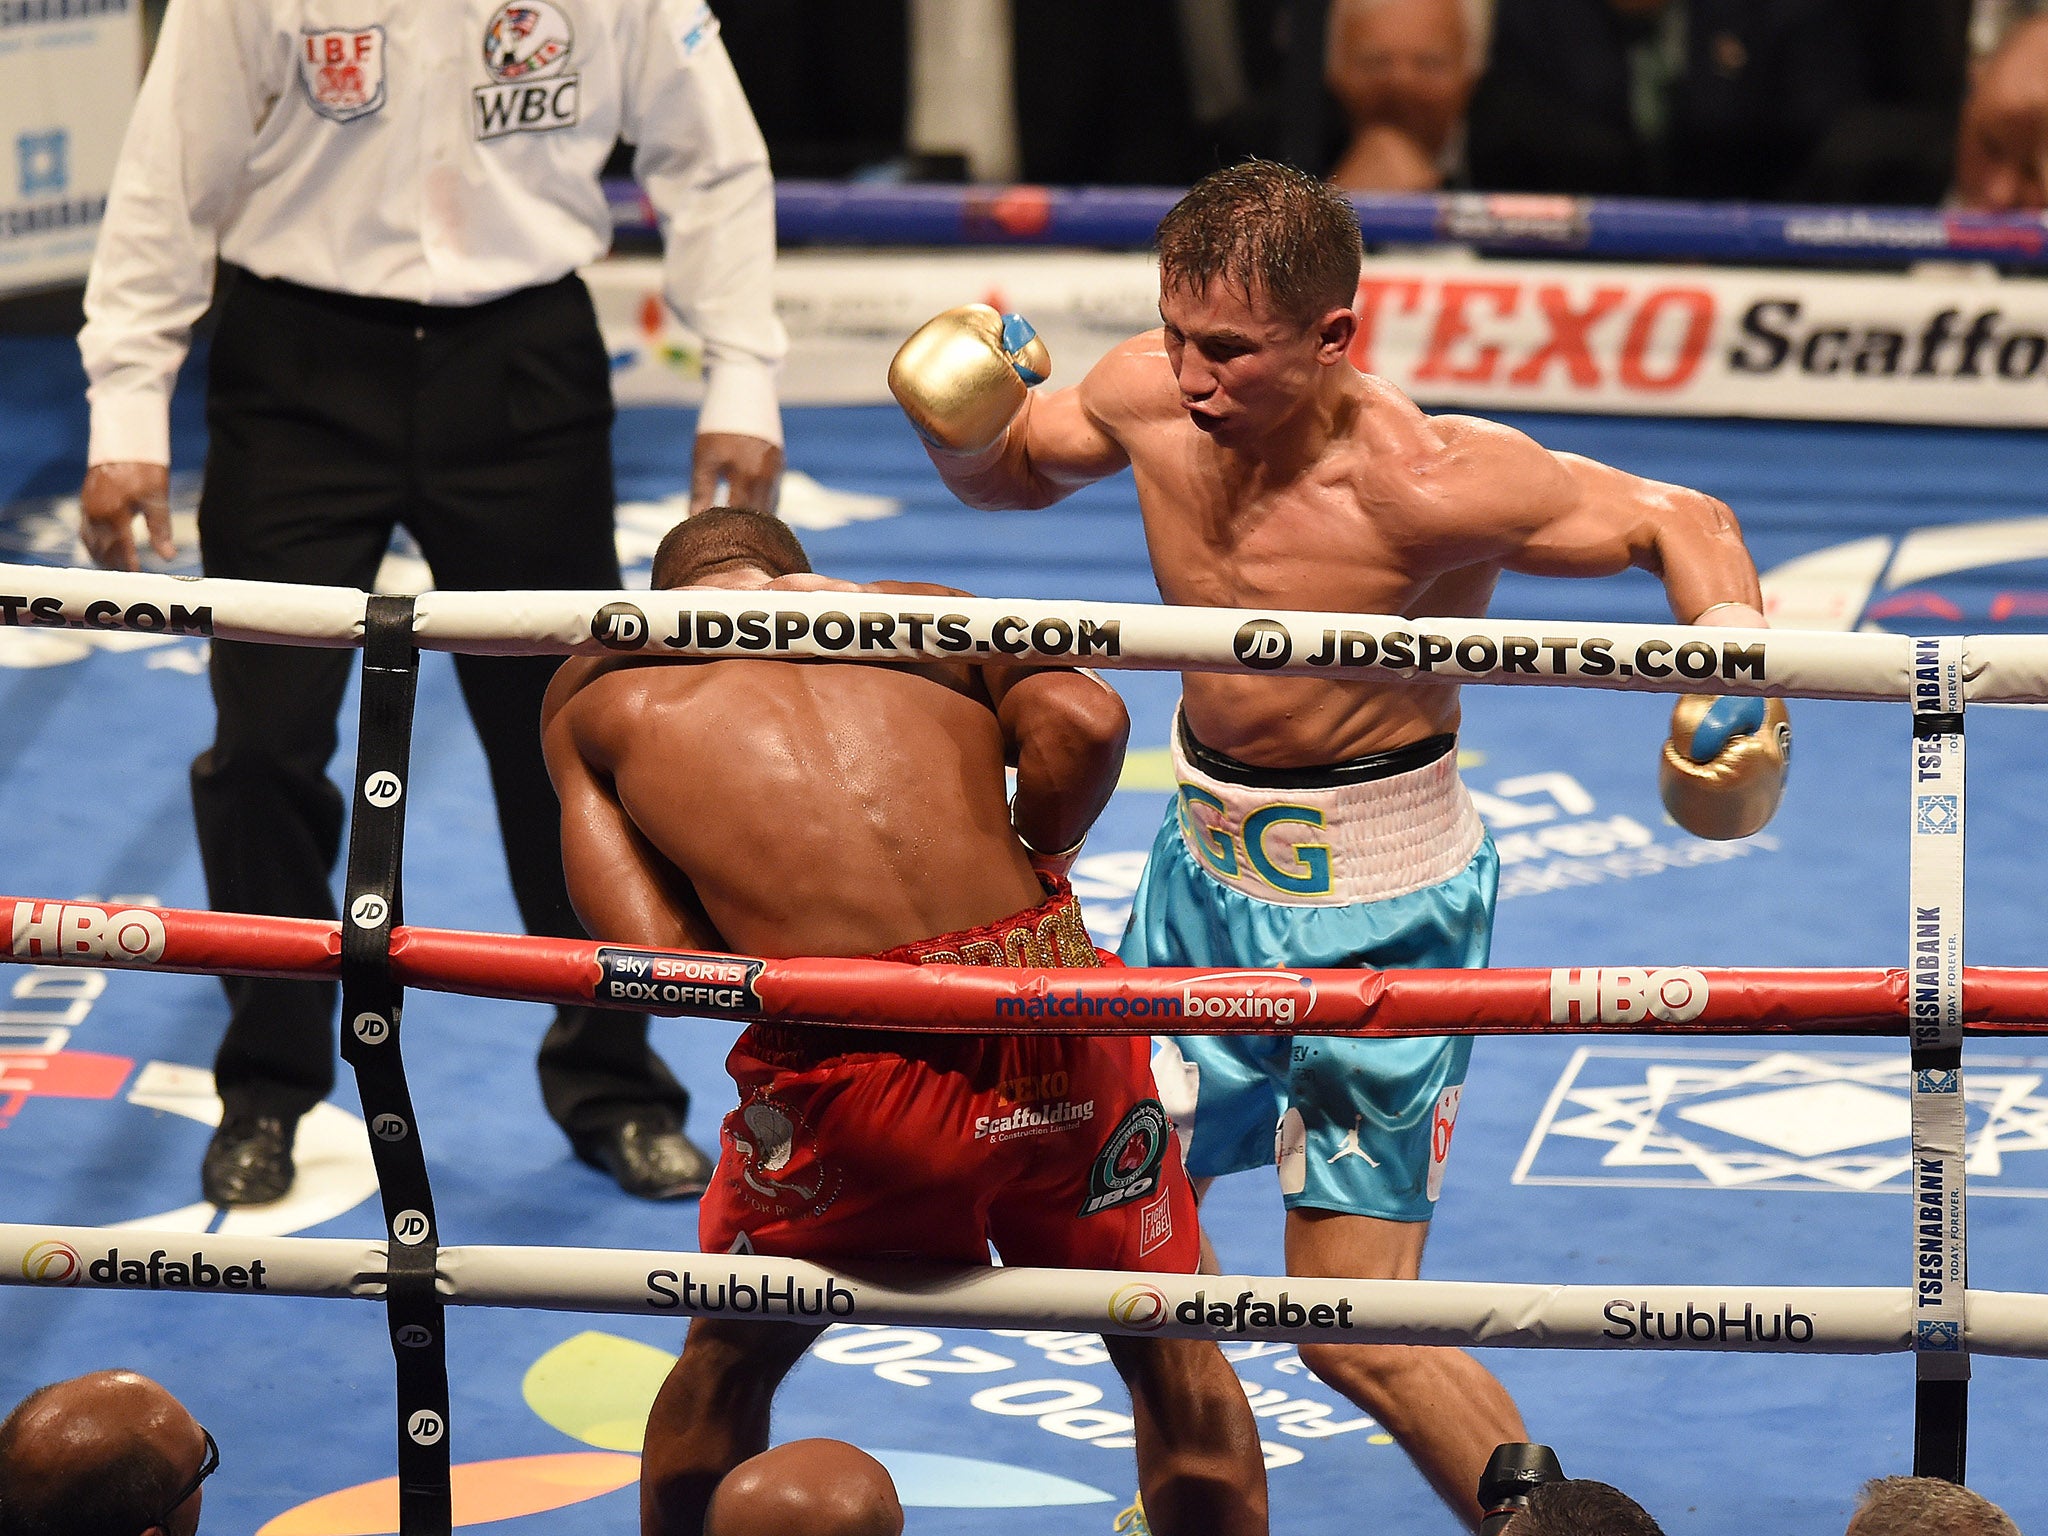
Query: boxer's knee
column 710, row 1415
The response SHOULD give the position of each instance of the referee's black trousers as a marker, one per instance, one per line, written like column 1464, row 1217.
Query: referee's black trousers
column 486, row 432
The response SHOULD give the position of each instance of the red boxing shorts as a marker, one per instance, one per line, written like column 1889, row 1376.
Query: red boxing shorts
column 859, row 1144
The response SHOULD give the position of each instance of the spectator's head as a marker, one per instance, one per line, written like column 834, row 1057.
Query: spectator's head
column 1577, row 1506
column 1926, row 1506
column 2002, row 145
column 110, row 1454
column 806, row 1488
column 720, row 539
column 1408, row 65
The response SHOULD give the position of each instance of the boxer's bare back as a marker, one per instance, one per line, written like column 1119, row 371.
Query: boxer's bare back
column 1273, row 474
column 815, row 809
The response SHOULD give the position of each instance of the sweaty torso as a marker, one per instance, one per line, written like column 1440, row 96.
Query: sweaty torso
column 1358, row 529
column 816, row 808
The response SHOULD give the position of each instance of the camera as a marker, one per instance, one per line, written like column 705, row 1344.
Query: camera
column 1511, row 1472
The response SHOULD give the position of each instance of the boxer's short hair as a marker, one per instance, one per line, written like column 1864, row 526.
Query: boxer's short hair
column 726, row 536
column 1269, row 230
column 1581, row 1507
column 1911, row 1506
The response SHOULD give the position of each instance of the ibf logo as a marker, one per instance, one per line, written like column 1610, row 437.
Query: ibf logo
column 1263, row 643
column 527, row 47
column 619, row 627
column 43, row 161
column 1627, row 995
column 343, row 72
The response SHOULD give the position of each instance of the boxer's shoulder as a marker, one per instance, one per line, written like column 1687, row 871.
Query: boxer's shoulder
column 1132, row 384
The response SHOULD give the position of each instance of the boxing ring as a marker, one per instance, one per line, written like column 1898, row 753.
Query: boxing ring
column 627, row 1264
column 376, row 957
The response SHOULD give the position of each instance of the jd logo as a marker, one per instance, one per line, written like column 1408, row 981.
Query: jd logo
column 619, row 626
column 1263, row 643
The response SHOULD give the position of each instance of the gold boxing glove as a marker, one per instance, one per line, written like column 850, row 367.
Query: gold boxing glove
column 1725, row 764
column 962, row 376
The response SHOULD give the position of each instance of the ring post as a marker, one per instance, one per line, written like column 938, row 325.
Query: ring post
column 371, row 1003
column 1935, row 885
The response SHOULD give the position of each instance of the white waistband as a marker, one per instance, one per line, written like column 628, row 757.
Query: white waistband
column 1333, row 847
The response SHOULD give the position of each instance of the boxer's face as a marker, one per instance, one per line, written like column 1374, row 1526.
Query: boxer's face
column 1242, row 366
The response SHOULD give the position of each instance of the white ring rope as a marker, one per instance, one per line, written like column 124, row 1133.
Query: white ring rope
column 1726, row 1319
column 1652, row 658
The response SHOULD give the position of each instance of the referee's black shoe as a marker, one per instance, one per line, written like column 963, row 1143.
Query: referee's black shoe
column 649, row 1156
column 249, row 1160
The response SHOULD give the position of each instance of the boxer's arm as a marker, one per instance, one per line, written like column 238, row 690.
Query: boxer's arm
column 1061, row 440
column 1724, row 765
column 621, row 887
column 1065, row 731
column 1558, row 514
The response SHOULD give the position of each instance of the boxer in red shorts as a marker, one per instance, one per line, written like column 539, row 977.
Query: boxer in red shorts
column 818, row 808
column 848, row 1144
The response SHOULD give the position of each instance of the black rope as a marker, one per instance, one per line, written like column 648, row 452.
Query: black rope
column 371, row 1005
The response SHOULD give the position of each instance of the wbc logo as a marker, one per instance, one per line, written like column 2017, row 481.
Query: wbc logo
column 527, row 46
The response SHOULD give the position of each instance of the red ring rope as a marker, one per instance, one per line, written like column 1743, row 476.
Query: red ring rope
column 880, row 994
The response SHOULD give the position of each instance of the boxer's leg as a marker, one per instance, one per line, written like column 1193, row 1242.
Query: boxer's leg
column 710, row 1415
column 1200, row 1471
column 1444, row 1408
column 1363, row 1148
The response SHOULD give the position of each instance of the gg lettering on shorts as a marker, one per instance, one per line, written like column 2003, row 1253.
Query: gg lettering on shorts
column 662, row 981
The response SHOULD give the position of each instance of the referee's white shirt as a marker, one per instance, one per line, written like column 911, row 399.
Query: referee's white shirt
column 439, row 151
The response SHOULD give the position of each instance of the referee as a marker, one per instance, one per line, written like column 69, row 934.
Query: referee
column 399, row 206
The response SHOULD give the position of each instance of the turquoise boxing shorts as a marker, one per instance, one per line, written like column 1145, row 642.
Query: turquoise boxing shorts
column 1376, row 862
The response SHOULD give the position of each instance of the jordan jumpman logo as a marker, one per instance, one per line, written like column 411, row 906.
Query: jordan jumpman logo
column 1351, row 1147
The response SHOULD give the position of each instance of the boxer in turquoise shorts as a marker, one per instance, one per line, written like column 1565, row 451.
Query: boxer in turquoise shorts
column 1257, row 868
column 1320, row 821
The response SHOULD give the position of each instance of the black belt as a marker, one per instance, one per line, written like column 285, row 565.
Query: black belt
column 400, row 312
column 1352, row 770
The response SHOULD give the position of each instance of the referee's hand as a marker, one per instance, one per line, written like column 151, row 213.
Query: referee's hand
column 751, row 468
column 113, row 496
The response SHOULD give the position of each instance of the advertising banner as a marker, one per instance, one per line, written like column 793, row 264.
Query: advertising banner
column 1952, row 346
column 68, row 75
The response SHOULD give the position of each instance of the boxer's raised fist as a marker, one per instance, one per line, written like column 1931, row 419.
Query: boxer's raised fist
column 961, row 378
column 1724, row 764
